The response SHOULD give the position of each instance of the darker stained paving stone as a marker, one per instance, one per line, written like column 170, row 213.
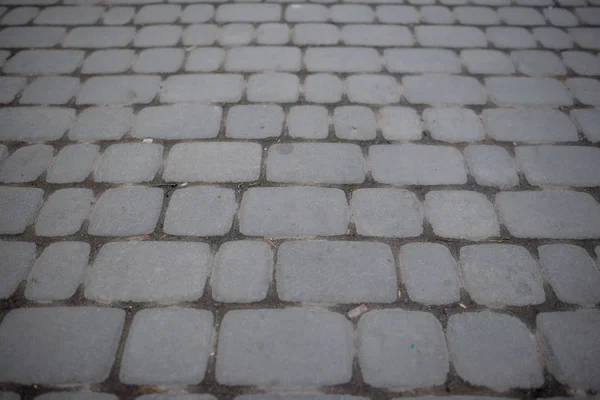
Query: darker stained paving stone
column 19, row 206
column 494, row 350
column 291, row 347
column 571, row 345
column 76, row 344
column 15, row 263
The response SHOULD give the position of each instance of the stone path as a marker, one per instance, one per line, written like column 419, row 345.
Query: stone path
column 287, row 200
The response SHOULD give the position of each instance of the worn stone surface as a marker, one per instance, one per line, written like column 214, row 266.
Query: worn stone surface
column 64, row 212
column 73, row 163
column 20, row 206
column 491, row 165
column 26, row 164
column 528, row 125
column 15, row 264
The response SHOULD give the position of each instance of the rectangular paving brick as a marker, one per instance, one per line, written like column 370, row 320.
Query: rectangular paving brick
column 98, row 37
column 180, row 121
column 520, row 91
column 248, row 13
column 205, row 88
column 376, row 35
column 421, row 60
column 29, row 36
column 119, row 90
column 342, row 59
column 443, row 89
column 114, row 61
column 293, row 212
column 316, row 33
column 257, row 59
column 254, row 121
column 102, row 123
column 44, row 62
column 450, row 36
column 528, row 125
column 129, row 163
column 69, row 15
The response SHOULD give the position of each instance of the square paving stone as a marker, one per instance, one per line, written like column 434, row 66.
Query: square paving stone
column 163, row 272
column 290, row 347
column 498, row 275
column 308, row 122
column 205, row 59
column 402, row 349
column 167, row 346
column 493, row 350
column 491, row 166
column 19, row 207
column 429, row 273
column 386, row 212
column 236, row 34
column 129, row 162
column 102, row 123
column 354, row 123
column 16, row 260
column 571, row 345
column 77, row 344
column 73, row 163
column 461, row 214
column 64, row 212
column 58, row 271
column 26, row 164
column 273, row 87
column 372, row 89
column 254, row 121
column 323, row 88
column 126, row 211
column 573, row 274
column 242, row 272
column 200, row 211
column 400, row 124
column 179, row 121
column 162, row 60
column 453, row 124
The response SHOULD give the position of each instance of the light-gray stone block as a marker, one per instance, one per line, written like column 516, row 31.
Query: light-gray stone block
column 376, row 35
column 585, row 90
column 30, row 37
column 44, row 62
column 34, row 123
column 450, row 36
column 538, row 63
column 205, row 59
column 322, row 88
column 9, row 88
column 552, row 38
column 399, row 124
column 73, row 163
column 443, row 89
column 586, row 38
column 26, row 164
column 129, row 162
column 159, row 60
column 20, row 206
column 179, row 121
column 306, row 13
column 521, row 91
column 248, row 12
column 157, row 13
column 528, row 125
column 204, row 88
column 581, row 62
column 273, row 87
column 521, row 16
column 259, row 59
column 119, row 90
column 102, row 123
column 588, row 121
column 308, row 122
column 316, row 34
column 16, row 260
column 50, row 90
column 272, row 33
column 157, row 36
column 421, row 60
column 64, row 212
column 254, row 121
column 453, row 124
column 99, row 37
column 397, row 14
column 235, row 34
column 69, row 15
column 481, row 61
column 118, row 15
column 354, row 123
column 468, row 15
column 510, row 37
column 342, row 59
column 372, row 89
column 20, row 16
column 108, row 61
column 197, row 13
column 491, row 166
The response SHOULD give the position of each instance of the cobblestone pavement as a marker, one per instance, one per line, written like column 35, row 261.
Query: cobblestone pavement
column 287, row 200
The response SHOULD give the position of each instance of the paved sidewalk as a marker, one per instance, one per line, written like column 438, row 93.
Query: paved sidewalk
column 288, row 200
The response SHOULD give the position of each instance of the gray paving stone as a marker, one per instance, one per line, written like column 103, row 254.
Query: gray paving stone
column 300, row 396
column 450, row 36
column 336, row 272
column 588, row 121
column 556, row 214
column 351, row 13
column 258, row 59
column 30, row 36
column 553, row 38
column 415, row 352
column 206, row 59
column 322, row 88
column 272, row 33
column 99, row 37
column 129, row 163
column 3, row 153
column 248, row 13
column 453, row 124
column 78, row 395
column 236, row 34
column 290, row 347
column 520, row 91
column 157, row 354
column 159, row 60
column 528, row 125
column 499, row 275
column 415, row 164
column 429, row 273
column 64, row 212
column 197, row 13
column 108, row 61
column 443, row 89
column 200, row 35
column 397, row 14
column 386, row 212
column 399, row 123
column 586, row 38
column 89, row 337
column 570, row 343
column 521, row 16
column 376, row 35
column 20, row 207
column 585, row 90
column 493, row 350
column 176, row 395
column 213, row 88
column 436, row 15
column 581, row 62
column 118, row 15
column 20, row 16
column 461, row 214
column 44, row 62
column 588, row 15
column 157, row 13
column 254, row 121
column 9, row 396
column 179, row 121
column 69, row 15
column 293, row 212
column 560, row 17
column 118, row 90
column 200, row 211
column 58, row 271
column 538, row 63
column 242, row 272
column 487, row 62
column 372, row 89
column 26, row 164
column 102, row 123
column 559, row 165
column 342, row 59
column 491, row 166
column 308, row 122
column 316, row 33
column 50, row 90
column 421, row 60
column 510, row 37
column 335, row 163
column 213, row 162
column 273, row 87
column 571, row 271
column 354, row 123
column 10, row 86
column 157, row 36
column 163, row 272
column 34, row 123
column 126, row 211
column 4, row 54
column 16, row 260
column 468, row 15
column 306, row 13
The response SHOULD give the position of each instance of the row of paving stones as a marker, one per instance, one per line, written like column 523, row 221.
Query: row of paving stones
column 324, row 34
column 308, row 163
column 333, row 272
column 301, row 212
column 183, row 395
column 113, row 3
column 299, row 347
column 339, row 13
column 395, row 124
